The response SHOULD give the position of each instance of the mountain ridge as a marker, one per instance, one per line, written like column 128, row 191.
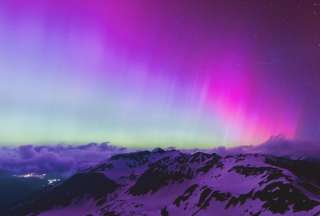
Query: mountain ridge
column 171, row 182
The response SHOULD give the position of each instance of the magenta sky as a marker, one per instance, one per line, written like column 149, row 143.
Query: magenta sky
column 148, row 72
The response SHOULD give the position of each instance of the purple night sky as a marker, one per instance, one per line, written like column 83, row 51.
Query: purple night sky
column 159, row 73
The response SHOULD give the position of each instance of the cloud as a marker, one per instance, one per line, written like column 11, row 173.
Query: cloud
column 278, row 146
column 67, row 159
column 293, row 148
column 56, row 159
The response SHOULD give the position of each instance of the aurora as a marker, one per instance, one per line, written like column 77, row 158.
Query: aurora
column 158, row 73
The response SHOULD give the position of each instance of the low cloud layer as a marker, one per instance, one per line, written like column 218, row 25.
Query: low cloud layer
column 277, row 146
column 57, row 159
column 67, row 159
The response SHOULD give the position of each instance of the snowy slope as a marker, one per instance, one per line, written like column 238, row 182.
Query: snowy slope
column 174, row 183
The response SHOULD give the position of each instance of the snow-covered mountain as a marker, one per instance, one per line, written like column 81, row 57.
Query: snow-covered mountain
column 165, row 183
